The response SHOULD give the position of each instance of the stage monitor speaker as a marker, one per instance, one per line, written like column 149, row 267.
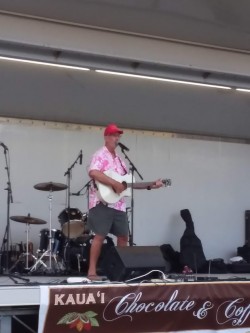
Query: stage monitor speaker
column 247, row 228
column 123, row 263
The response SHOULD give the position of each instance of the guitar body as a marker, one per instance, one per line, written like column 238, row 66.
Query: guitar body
column 107, row 194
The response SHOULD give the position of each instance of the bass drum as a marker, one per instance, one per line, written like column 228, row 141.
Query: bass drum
column 77, row 252
column 73, row 222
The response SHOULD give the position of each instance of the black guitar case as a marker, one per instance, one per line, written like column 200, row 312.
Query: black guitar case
column 191, row 250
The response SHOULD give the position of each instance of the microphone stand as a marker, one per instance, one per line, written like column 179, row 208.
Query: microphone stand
column 133, row 169
column 68, row 173
column 87, row 186
column 6, row 239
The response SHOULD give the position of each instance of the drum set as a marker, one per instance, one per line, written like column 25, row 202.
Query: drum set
column 60, row 251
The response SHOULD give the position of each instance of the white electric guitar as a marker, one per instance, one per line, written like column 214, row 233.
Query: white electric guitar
column 108, row 195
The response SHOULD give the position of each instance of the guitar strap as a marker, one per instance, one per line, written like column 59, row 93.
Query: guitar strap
column 125, row 171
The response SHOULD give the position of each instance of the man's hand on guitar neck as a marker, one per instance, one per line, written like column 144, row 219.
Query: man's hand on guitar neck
column 157, row 184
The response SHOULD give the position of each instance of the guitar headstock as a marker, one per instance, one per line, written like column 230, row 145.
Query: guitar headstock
column 167, row 182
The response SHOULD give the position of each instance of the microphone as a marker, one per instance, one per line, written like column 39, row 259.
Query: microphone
column 122, row 146
column 80, row 157
column 3, row 145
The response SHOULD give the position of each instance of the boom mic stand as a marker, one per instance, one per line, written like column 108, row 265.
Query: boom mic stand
column 133, row 169
column 6, row 239
column 87, row 186
column 68, row 173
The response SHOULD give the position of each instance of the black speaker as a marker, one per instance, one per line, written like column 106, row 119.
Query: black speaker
column 247, row 228
column 123, row 263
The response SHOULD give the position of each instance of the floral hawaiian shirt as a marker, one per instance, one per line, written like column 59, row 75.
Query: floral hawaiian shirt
column 102, row 161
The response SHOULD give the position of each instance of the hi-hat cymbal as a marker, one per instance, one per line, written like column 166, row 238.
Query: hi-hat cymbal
column 27, row 219
column 50, row 186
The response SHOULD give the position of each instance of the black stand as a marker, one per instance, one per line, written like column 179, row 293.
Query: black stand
column 87, row 186
column 68, row 173
column 132, row 169
column 6, row 238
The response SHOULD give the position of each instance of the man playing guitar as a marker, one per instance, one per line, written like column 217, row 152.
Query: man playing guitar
column 105, row 217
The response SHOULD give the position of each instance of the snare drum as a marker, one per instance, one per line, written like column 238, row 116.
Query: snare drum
column 73, row 222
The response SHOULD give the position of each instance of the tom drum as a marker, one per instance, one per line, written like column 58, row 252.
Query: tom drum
column 73, row 222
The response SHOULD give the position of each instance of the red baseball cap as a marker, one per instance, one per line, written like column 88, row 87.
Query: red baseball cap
column 112, row 129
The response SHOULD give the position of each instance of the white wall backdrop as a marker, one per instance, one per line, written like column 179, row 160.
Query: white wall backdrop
column 210, row 178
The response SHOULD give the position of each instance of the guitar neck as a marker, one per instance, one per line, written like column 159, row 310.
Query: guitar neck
column 141, row 185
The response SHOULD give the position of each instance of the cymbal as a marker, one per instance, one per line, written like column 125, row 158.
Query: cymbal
column 50, row 186
column 27, row 219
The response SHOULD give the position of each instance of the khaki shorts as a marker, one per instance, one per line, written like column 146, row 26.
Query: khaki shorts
column 103, row 220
